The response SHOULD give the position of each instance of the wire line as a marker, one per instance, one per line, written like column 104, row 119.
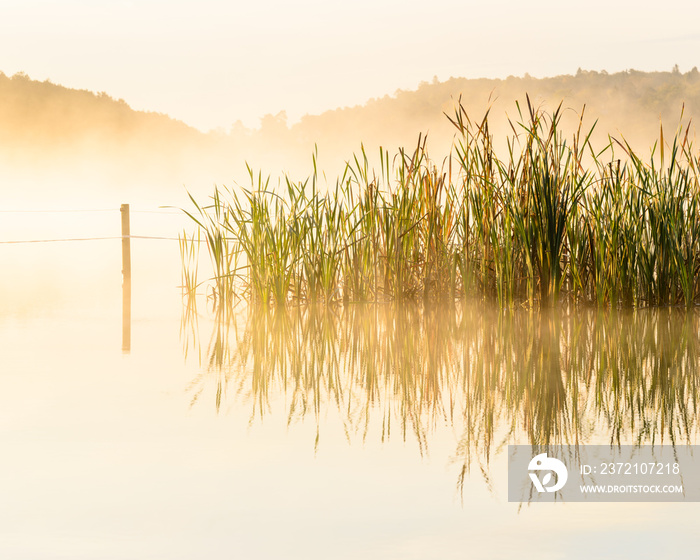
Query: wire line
column 91, row 239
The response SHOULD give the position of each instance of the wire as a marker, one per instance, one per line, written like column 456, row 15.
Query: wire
column 57, row 211
column 91, row 210
column 92, row 239
column 156, row 212
column 59, row 240
column 152, row 237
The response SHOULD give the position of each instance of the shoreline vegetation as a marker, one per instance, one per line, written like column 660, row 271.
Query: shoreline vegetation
column 554, row 221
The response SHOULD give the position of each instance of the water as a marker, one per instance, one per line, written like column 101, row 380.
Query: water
column 366, row 432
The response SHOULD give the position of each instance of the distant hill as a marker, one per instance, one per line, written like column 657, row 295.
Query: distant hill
column 32, row 111
column 60, row 142
column 47, row 127
column 629, row 103
column 43, row 122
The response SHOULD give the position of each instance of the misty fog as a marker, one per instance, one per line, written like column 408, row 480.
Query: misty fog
column 64, row 149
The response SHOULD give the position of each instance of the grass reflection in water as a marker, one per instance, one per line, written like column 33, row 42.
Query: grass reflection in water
column 494, row 377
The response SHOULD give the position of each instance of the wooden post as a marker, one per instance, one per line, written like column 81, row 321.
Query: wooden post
column 126, row 279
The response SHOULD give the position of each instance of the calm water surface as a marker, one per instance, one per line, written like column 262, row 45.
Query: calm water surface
column 356, row 433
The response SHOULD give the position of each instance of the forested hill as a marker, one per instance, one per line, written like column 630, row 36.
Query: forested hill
column 42, row 119
column 46, row 125
column 55, row 139
column 631, row 103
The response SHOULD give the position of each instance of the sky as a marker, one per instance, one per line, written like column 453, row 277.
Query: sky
column 211, row 63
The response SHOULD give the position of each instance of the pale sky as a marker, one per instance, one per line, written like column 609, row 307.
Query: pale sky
column 212, row 62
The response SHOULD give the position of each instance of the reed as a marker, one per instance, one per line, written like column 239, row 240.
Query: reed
column 553, row 220
column 213, row 224
column 189, row 254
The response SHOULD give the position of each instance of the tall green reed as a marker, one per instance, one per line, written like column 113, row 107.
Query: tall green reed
column 549, row 216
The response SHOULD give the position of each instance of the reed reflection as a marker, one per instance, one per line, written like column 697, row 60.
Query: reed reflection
column 492, row 376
